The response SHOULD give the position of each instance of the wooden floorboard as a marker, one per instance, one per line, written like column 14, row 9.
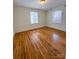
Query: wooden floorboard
column 42, row 43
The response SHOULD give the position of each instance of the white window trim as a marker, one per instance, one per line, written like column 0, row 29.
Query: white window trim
column 31, row 21
column 59, row 21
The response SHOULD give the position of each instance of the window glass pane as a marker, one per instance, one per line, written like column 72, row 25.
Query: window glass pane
column 34, row 17
column 57, row 16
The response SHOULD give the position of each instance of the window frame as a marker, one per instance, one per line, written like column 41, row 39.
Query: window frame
column 36, row 20
column 60, row 18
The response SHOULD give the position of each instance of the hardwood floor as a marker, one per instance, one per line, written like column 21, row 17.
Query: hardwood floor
column 42, row 43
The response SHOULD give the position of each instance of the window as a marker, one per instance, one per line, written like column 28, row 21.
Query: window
column 34, row 17
column 57, row 16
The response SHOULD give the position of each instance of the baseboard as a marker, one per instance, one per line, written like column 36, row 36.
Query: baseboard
column 40, row 28
column 30, row 30
column 55, row 29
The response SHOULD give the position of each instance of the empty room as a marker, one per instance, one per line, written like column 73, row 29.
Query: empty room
column 39, row 29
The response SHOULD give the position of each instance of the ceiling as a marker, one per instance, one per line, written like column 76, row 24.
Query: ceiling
column 35, row 4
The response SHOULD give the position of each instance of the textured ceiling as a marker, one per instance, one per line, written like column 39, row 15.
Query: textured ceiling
column 35, row 4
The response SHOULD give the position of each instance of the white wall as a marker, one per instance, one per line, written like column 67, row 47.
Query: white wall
column 61, row 26
column 22, row 19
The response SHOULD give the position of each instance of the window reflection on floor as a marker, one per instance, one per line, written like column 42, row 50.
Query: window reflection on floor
column 55, row 37
column 35, row 37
